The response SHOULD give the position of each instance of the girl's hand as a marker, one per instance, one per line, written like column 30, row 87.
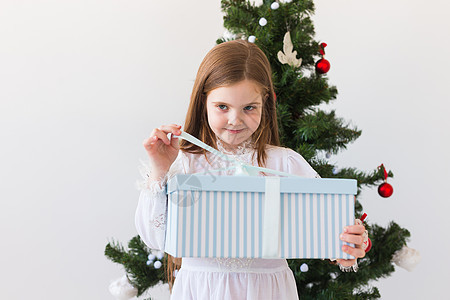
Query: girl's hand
column 352, row 234
column 161, row 151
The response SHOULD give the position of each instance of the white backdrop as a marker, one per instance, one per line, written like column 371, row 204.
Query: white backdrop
column 82, row 83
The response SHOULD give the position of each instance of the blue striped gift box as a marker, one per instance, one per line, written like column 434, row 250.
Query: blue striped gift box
column 223, row 216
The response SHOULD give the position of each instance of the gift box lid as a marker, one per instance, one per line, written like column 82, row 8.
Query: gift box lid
column 193, row 182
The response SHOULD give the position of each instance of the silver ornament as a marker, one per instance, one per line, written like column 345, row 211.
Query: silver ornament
column 252, row 39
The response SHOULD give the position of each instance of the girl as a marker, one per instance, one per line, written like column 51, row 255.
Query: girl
column 232, row 109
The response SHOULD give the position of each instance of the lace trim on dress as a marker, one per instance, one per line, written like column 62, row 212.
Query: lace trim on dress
column 158, row 185
column 159, row 222
column 234, row 264
column 243, row 153
column 241, row 149
column 154, row 186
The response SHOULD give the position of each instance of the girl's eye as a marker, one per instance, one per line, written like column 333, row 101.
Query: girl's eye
column 247, row 108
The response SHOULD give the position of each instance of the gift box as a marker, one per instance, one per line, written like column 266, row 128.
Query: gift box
column 258, row 217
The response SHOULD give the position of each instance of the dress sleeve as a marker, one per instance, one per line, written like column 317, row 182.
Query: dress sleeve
column 151, row 212
column 297, row 165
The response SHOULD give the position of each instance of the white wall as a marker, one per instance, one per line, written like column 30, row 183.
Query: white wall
column 82, row 83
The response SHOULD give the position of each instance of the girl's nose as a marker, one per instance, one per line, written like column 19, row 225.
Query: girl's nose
column 234, row 119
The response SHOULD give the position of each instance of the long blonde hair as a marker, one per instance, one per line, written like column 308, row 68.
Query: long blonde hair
column 224, row 65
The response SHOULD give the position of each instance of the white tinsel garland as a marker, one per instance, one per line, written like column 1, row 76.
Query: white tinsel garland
column 256, row 2
column 407, row 258
column 227, row 35
column 122, row 289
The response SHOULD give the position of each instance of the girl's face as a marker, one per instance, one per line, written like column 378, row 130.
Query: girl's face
column 234, row 112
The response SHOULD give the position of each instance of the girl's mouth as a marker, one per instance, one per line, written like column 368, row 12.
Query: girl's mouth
column 234, row 131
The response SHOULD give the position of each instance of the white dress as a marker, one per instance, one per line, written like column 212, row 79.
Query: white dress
column 220, row 278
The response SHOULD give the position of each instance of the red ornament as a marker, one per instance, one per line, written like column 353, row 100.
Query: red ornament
column 322, row 48
column 367, row 245
column 385, row 190
column 322, row 66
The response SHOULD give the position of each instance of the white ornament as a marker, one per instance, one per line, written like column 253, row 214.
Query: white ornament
column 263, row 22
column 151, row 257
column 160, row 255
column 285, row 1
column 157, row 264
column 335, row 170
column 149, row 262
column 289, row 56
column 304, row 268
column 122, row 289
column 407, row 258
column 252, row 39
column 274, row 5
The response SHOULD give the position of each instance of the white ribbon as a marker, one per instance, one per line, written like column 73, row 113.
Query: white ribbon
column 271, row 227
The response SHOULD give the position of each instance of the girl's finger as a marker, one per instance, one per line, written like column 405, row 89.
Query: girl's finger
column 355, row 252
column 162, row 136
column 354, row 229
column 175, row 129
column 352, row 238
column 148, row 143
column 161, row 133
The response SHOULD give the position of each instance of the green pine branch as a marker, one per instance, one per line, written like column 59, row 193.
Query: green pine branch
column 134, row 262
column 324, row 131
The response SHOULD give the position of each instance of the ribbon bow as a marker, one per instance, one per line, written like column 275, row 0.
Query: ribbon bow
column 241, row 168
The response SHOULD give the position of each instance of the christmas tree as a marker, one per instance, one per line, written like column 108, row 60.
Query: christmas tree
column 285, row 32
